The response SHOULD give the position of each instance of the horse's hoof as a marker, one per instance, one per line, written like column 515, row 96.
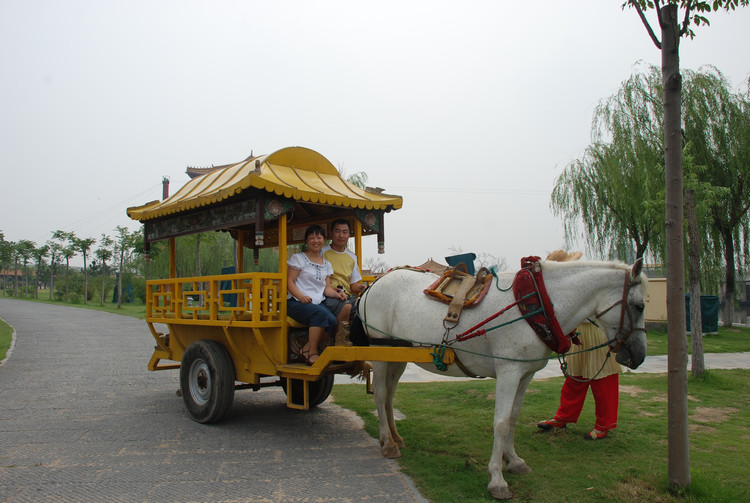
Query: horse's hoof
column 391, row 451
column 500, row 493
column 519, row 469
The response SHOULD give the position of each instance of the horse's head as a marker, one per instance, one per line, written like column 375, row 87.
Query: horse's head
column 625, row 327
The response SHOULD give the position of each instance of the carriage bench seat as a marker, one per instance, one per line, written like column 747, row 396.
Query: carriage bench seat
column 294, row 323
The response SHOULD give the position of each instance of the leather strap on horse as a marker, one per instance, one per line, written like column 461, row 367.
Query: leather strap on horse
column 539, row 313
column 457, row 304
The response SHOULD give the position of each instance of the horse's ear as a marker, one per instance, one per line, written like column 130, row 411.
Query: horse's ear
column 635, row 271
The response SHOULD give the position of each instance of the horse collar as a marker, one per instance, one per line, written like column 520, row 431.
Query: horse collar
column 536, row 306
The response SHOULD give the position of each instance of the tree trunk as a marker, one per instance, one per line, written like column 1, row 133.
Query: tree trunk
column 697, row 363
column 730, row 286
column 119, row 280
column 677, row 413
column 51, row 277
column 67, row 278
column 15, row 276
column 104, row 272
column 85, row 281
column 36, row 280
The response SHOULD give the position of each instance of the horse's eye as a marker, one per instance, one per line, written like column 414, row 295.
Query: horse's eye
column 640, row 307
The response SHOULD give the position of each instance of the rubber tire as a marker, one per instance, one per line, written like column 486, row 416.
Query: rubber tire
column 319, row 390
column 207, row 381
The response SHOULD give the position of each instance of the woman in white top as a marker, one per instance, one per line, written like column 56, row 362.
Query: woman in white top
column 308, row 283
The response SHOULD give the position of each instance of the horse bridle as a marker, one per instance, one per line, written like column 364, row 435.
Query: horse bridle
column 621, row 336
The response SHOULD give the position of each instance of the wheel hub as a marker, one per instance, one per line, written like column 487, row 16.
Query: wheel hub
column 200, row 382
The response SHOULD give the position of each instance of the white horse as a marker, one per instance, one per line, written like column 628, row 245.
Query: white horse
column 396, row 306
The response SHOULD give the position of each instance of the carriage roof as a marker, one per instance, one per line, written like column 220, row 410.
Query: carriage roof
column 296, row 173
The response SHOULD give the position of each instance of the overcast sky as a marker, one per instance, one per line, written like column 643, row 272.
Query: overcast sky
column 469, row 110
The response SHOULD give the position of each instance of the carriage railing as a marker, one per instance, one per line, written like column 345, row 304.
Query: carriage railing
column 244, row 299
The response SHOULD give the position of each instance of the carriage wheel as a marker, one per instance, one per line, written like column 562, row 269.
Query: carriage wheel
column 319, row 390
column 207, row 381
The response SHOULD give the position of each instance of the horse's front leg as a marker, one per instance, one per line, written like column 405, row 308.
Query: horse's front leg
column 505, row 388
column 385, row 380
column 514, row 463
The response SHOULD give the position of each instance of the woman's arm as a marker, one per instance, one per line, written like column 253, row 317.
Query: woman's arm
column 291, row 284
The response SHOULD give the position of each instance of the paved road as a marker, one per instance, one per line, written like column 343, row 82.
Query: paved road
column 83, row 420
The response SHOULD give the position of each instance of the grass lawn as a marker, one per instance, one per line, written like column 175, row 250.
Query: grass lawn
column 728, row 340
column 448, row 435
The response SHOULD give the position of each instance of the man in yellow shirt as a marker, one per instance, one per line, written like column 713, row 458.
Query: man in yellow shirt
column 346, row 273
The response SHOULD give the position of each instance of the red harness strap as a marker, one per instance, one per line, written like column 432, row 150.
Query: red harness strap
column 537, row 308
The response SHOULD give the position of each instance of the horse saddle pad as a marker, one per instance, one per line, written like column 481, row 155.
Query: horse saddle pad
column 449, row 285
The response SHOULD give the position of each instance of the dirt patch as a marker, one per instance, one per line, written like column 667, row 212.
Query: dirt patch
column 631, row 390
column 650, row 414
column 712, row 415
column 702, row 418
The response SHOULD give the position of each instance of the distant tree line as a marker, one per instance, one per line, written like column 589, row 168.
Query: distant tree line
column 28, row 267
column 113, row 263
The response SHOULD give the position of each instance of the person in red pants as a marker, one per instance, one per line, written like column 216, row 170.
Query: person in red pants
column 587, row 369
column 590, row 369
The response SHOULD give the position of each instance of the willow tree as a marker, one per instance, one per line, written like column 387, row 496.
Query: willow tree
column 672, row 27
column 616, row 188
column 717, row 123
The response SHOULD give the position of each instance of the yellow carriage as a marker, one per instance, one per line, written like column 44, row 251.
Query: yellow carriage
column 237, row 335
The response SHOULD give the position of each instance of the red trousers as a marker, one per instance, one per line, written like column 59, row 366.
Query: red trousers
column 606, row 399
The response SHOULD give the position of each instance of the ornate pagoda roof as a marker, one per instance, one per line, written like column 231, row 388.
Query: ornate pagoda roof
column 293, row 172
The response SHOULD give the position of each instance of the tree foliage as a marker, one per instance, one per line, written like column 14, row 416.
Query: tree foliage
column 716, row 124
column 616, row 189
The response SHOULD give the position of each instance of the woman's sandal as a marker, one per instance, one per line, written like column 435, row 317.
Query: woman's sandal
column 595, row 435
column 306, row 356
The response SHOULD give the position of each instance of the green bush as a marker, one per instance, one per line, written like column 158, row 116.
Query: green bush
column 139, row 287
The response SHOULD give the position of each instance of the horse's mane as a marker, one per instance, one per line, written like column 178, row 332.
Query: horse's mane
column 642, row 278
column 614, row 264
